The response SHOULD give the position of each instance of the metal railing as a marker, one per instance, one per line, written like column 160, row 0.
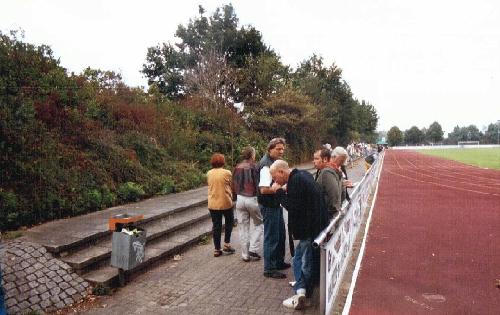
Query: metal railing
column 336, row 240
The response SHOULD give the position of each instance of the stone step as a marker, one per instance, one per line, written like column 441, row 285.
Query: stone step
column 156, row 251
column 87, row 258
column 62, row 237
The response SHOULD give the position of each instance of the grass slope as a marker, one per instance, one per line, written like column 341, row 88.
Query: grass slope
column 482, row 157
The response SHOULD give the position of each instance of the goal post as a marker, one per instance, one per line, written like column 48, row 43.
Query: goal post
column 462, row 144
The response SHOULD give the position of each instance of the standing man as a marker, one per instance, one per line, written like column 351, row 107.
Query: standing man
column 306, row 219
column 245, row 180
column 329, row 181
column 272, row 213
column 339, row 157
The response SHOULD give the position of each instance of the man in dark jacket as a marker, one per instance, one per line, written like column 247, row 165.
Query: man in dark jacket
column 306, row 218
column 272, row 213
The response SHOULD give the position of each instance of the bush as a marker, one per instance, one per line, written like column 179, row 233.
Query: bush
column 130, row 191
column 161, row 185
column 92, row 200
column 108, row 198
column 8, row 209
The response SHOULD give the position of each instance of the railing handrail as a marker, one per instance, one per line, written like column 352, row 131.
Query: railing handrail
column 326, row 232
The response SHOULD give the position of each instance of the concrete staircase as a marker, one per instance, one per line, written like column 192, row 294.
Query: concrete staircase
column 172, row 223
column 167, row 235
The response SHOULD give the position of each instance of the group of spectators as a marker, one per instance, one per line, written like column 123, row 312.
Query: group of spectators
column 260, row 191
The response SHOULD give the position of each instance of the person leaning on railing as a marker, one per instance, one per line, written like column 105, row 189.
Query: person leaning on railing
column 306, row 218
column 329, row 181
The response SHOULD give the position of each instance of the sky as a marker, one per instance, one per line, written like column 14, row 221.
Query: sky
column 416, row 61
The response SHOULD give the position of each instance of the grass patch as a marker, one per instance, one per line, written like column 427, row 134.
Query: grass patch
column 11, row 235
column 482, row 157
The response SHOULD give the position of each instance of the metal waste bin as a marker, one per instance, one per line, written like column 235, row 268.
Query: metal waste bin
column 127, row 249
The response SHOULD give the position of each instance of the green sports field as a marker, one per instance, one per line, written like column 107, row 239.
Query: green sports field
column 482, row 157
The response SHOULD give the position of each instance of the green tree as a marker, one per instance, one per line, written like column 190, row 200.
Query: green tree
column 166, row 65
column 414, row 136
column 394, row 136
column 469, row 133
column 492, row 134
column 291, row 115
column 435, row 133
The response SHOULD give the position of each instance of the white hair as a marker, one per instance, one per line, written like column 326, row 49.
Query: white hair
column 338, row 151
column 279, row 165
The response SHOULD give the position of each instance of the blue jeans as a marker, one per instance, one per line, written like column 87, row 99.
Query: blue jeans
column 274, row 237
column 303, row 265
column 2, row 296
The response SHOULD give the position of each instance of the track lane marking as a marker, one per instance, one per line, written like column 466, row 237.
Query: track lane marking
column 442, row 185
column 420, row 171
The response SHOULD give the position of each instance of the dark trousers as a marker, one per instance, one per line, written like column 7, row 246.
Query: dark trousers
column 274, row 237
column 217, row 225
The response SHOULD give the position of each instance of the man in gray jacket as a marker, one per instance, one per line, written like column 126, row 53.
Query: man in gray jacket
column 329, row 181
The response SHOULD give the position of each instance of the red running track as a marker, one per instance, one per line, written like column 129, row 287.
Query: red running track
column 433, row 246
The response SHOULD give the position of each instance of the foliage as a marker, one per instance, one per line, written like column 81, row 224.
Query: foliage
column 394, row 136
column 492, row 133
column 414, row 136
column 435, row 133
column 469, row 133
column 76, row 143
column 11, row 235
column 130, row 191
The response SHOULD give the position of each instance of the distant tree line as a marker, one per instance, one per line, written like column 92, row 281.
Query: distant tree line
column 434, row 135
column 76, row 143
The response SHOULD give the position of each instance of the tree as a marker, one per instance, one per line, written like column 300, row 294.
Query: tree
column 291, row 115
column 394, row 136
column 366, row 120
column 491, row 134
column 435, row 133
column 212, row 79
column 414, row 136
column 166, row 66
column 470, row 133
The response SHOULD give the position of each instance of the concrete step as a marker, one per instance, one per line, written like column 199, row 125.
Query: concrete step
column 99, row 253
column 62, row 237
column 156, row 251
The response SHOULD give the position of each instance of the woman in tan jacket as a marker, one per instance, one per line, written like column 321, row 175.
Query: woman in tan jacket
column 220, row 203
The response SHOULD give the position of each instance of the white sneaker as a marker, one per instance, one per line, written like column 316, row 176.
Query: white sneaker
column 296, row 302
column 292, row 283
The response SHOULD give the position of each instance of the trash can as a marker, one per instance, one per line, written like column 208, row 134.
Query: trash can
column 128, row 245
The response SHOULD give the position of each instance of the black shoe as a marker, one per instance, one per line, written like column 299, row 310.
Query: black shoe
column 284, row 266
column 274, row 274
column 254, row 256
column 228, row 249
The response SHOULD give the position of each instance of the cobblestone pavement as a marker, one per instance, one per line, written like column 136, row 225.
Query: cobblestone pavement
column 202, row 284
column 35, row 281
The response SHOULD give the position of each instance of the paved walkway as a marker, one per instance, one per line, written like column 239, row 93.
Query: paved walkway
column 202, row 284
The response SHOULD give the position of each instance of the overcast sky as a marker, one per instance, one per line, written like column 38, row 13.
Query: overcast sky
column 415, row 61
